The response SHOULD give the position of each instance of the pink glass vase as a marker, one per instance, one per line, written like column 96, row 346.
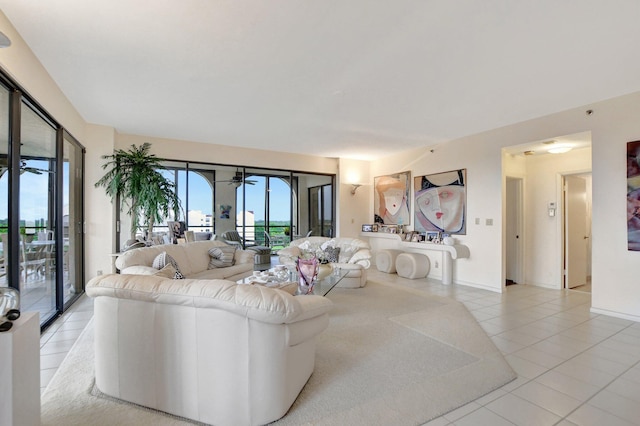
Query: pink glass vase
column 307, row 274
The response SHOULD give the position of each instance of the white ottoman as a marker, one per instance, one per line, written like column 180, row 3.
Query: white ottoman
column 386, row 260
column 412, row 265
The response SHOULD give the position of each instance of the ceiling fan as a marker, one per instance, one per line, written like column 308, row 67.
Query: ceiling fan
column 237, row 180
column 23, row 168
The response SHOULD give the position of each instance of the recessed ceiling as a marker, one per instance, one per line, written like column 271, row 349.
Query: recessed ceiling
column 353, row 79
column 573, row 142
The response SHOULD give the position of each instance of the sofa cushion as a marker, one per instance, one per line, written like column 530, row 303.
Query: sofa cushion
column 221, row 257
column 234, row 273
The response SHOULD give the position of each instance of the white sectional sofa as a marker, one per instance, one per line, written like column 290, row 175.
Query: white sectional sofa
column 212, row 351
column 192, row 259
column 354, row 256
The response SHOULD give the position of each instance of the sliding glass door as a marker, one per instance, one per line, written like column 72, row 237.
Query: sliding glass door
column 71, row 240
column 41, row 206
column 37, row 213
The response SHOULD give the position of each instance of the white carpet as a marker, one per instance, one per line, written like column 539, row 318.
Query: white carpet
column 390, row 356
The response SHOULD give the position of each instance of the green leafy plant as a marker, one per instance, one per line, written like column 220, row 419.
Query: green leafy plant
column 134, row 176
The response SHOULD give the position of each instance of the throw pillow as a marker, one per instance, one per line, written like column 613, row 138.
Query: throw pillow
column 221, row 257
column 163, row 259
column 167, row 272
column 332, row 254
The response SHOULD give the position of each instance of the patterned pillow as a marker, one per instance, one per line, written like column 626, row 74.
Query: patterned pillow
column 169, row 272
column 332, row 254
column 221, row 257
column 163, row 259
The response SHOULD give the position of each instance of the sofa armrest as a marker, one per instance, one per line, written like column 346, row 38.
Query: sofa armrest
column 301, row 331
column 313, row 306
column 288, row 255
column 244, row 256
column 313, row 319
column 362, row 257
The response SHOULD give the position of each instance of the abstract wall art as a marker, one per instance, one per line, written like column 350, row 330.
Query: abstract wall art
column 633, row 195
column 441, row 202
column 225, row 211
column 391, row 199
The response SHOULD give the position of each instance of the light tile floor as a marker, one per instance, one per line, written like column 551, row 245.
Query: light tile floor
column 574, row 367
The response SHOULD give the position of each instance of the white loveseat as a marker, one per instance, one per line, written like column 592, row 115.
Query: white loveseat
column 192, row 259
column 212, row 351
column 354, row 257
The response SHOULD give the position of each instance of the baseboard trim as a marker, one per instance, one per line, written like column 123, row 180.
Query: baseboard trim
column 615, row 314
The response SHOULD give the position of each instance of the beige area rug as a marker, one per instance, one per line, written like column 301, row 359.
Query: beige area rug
column 390, row 356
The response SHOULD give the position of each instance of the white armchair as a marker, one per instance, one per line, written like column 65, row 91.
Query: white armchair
column 354, row 256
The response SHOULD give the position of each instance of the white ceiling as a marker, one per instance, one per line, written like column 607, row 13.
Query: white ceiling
column 338, row 78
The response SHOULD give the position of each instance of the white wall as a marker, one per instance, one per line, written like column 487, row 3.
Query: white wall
column 99, row 212
column 349, row 207
column 211, row 153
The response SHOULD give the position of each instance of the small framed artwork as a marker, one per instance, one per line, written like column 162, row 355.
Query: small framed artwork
column 432, row 237
column 367, row 228
column 409, row 236
column 374, row 227
column 415, row 237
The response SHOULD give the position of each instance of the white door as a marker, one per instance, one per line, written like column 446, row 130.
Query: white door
column 576, row 234
column 514, row 231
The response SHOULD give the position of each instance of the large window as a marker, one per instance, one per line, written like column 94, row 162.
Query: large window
column 267, row 207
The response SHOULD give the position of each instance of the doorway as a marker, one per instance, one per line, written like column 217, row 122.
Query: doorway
column 514, row 235
column 577, row 231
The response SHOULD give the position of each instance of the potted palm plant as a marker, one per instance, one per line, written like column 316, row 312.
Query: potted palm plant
column 133, row 176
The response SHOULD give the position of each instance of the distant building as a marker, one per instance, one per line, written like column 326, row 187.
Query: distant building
column 249, row 232
column 204, row 222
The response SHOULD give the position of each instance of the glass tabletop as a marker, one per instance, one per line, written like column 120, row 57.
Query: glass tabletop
column 325, row 285
column 321, row 288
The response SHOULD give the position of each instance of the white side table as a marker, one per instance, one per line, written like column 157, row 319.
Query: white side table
column 20, row 372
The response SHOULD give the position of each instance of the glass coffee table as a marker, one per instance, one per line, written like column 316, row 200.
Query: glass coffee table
column 321, row 288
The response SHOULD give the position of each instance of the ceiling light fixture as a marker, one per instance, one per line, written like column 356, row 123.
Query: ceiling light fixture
column 4, row 40
column 559, row 149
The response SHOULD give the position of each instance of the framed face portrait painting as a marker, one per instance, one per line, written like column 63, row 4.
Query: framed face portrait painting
column 633, row 195
column 391, row 199
column 441, row 202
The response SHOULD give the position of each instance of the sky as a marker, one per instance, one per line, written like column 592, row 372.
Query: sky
column 279, row 195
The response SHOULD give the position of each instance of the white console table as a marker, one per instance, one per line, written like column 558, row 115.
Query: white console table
column 20, row 372
column 449, row 253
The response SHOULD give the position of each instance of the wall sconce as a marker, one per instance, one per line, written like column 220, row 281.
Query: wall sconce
column 355, row 187
column 4, row 40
